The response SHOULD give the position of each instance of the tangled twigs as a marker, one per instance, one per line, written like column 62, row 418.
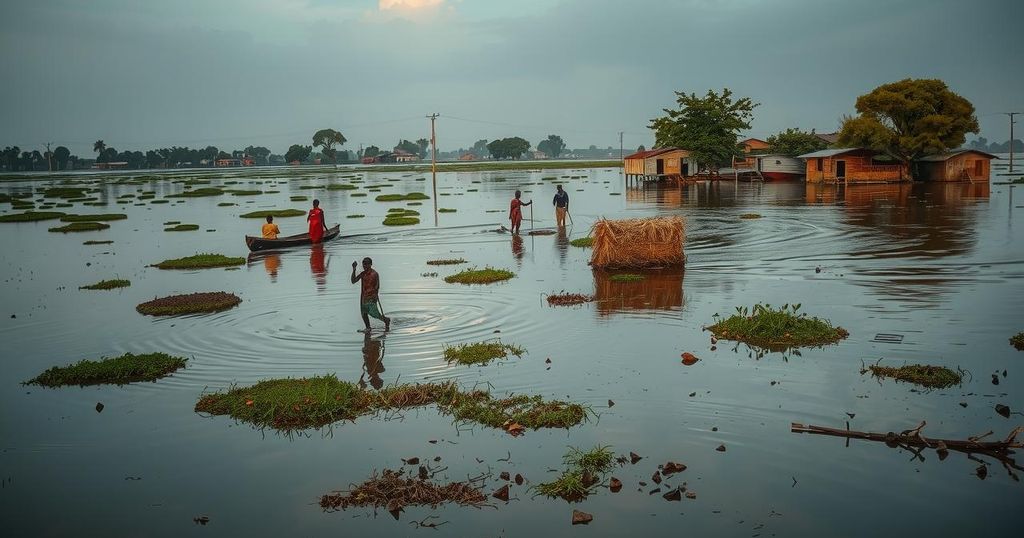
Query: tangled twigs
column 426, row 523
column 393, row 491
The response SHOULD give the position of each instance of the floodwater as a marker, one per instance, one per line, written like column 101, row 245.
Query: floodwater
column 939, row 266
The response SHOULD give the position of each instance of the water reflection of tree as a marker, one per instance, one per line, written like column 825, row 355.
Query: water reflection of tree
column 660, row 289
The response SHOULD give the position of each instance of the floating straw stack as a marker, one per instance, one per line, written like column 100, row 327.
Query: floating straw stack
column 638, row 243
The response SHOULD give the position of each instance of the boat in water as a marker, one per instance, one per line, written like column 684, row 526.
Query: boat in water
column 260, row 243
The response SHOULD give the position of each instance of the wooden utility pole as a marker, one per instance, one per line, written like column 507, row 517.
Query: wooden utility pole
column 621, row 155
column 49, row 156
column 1011, row 115
column 433, row 160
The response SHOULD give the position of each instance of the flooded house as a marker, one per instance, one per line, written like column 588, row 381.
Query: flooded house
column 659, row 163
column 851, row 166
column 754, row 145
column 959, row 165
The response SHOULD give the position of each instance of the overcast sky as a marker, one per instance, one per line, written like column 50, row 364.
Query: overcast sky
column 141, row 74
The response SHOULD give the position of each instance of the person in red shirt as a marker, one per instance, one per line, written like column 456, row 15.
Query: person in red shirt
column 317, row 223
column 515, row 212
column 369, row 300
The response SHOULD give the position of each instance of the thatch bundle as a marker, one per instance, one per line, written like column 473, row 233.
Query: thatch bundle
column 654, row 242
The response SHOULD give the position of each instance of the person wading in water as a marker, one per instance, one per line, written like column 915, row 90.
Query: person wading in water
column 515, row 212
column 561, row 203
column 317, row 223
column 369, row 300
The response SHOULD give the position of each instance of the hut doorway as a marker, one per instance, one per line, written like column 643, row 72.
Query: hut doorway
column 686, row 169
column 840, row 169
column 660, row 166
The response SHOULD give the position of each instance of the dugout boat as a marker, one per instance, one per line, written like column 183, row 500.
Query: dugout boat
column 259, row 243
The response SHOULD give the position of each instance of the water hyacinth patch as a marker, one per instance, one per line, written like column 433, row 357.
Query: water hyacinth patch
column 200, row 261
column 481, row 352
column 127, row 368
column 107, row 284
column 486, row 275
column 776, row 328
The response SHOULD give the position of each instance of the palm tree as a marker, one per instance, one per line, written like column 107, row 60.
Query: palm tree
column 98, row 146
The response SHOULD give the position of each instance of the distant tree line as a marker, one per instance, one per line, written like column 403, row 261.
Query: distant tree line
column 13, row 159
column 982, row 144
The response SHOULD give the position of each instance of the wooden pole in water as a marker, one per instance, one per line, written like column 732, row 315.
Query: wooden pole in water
column 433, row 161
column 1011, row 115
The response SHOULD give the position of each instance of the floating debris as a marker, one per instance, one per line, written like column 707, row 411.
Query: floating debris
column 201, row 261
column 192, row 303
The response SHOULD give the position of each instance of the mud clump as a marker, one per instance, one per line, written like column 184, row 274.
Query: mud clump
column 193, row 303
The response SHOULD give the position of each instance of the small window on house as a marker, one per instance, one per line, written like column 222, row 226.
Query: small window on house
column 778, row 161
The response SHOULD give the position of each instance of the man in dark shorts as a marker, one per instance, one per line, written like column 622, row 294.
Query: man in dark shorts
column 369, row 303
column 561, row 203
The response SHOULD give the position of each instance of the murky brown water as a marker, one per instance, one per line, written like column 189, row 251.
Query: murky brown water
column 940, row 265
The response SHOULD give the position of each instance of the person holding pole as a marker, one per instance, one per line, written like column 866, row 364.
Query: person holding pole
column 515, row 211
column 561, row 203
column 369, row 296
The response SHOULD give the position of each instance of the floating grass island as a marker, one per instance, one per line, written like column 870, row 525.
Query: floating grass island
column 107, row 284
column 32, row 216
column 568, row 299
column 192, row 303
column 776, row 329
column 749, row 216
column 486, row 275
column 93, row 218
column 1017, row 341
column 394, row 490
column 446, row 261
column 401, row 217
column 355, row 216
column 582, row 242
column 127, row 368
column 626, row 277
column 480, row 352
column 402, row 197
column 926, row 375
column 296, row 404
column 182, row 228
column 92, row 242
column 200, row 261
column 583, row 472
column 81, row 227
column 273, row 213
column 446, row 210
column 198, row 193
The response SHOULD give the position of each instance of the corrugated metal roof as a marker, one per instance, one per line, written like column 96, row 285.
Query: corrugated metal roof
column 946, row 156
column 649, row 153
column 827, row 153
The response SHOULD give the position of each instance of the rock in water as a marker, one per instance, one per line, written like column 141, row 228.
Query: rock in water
column 501, row 493
column 615, row 485
column 581, row 518
column 99, row 407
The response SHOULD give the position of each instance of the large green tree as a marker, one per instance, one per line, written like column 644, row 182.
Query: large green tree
column 910, row 119
column 795, row 142
column 508, row 148
column 297, row 152
column 408, row 147
column 423, row 144
column 326, row 139
column 61, row 156
column 98, row 147
column 552, row 146
column 371, row 151
column 708, row 127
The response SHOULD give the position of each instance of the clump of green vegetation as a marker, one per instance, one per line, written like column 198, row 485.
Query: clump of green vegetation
column 293, row 404
column 198, row 193
column 172, row 222
column 446, row 261
column 92, row 242
column 583, row 472
column 626, row 277
column 358, row 194
column 31, row 216
column 401, row 221
column 399, row 212
column 165, row 202
column 107, row 284
column 299, row 198
column 273, row 213
column 480, row 352
column 182, row 228
column 127, row 368
column 414, row 204
column 780, row 328
column 223, row 204
column 486, row 275
column 926, row 375
column 1017, row 341
column 582, row 242
column 192, row 303
column 402, row 197
column 355, row 216
column 81, row 227
column 64, row 192
column 244, row 192
column 446, row 210
column 748, row 216
column 200, row 261
column 341, row 187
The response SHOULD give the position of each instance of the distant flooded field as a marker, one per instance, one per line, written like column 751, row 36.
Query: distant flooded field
column 922, row 273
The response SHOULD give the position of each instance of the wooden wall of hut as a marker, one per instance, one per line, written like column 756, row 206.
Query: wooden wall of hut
column 962, row 167
column 854, row 167
column 661, row 289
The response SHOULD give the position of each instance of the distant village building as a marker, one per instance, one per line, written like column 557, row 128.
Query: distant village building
column 467, row 157
column 828, row 138
column 754, row 145
column 234, row 161
column 538, row 155
column 851, row 165
column 111, row 166
column 659, row 163
column 959, row 165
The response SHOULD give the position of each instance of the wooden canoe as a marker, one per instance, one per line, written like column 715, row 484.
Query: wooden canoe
column 259, row 243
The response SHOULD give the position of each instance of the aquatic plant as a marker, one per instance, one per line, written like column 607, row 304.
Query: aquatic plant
column 1017, row 341
column 31, row 216
column 355, row 216
column 583, row 472
column 394, row 491
column 127, row 368
column 341, row 187
column 80, row 227
column 486, row 275
column 568, row 299
column 273, row 213
column 626, row 277
column 107, row 285
column 480, row 352
column 64, row 192
column 582, row 242
column 446, row 210
column 92, row 242
column 222, row 204
column 357, row 194
column 402, row 197
column 779, row 328
column 182, row 228
column 926, row 375
column 748, row 216
column 200, row 261
column 446, row 261
column 192, row 303
column 244, row 192
column 198, row 193
column 401, row 221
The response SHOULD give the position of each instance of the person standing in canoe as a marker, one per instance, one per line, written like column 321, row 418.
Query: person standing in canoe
column 317, row 223
column 515, row 211
column 369, row 295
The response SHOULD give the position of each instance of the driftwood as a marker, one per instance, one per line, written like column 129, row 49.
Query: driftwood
column 916, row 443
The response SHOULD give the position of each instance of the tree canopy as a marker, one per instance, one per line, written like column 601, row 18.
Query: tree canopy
column 297, row 152
column 423, row 144
column 508, row 148
column 371, row 151
column 326, row 139
column 910, row 119
column 408, row 147
column 708, row 127
column 552, row 146
column 793, row 142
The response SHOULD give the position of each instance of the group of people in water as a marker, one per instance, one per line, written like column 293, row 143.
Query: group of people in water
column 369, row 279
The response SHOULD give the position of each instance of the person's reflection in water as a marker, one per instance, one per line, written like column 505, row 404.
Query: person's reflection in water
column 517, row 248
column 317, row 266
column 562, row 244
column 373, row 361
column 271, row 262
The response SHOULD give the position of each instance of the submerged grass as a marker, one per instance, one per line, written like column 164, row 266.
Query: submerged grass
column 582, row 242
column 780, row 328
column 401, row 221
column 198, row 193
column 294, row 404
column 481, row 352
column 81, row 227
column 200, row 261
column 486, row 275
column 127, row 368
column 1017, row 341
column 749, row 216
column 583, row 472
column 192, row 303
column 273, row 213
column 402, row 197
column 926, row 375
column 446, row 261
column 93, row 218
column 107, row 284
column 32, row 216
column 182, row 228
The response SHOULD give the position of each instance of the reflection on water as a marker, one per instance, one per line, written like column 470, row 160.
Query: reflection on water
column 373, row 361
column 271, row 263
column 562, row 245
column 517, row 249
column 660, row 289
column 317, row 266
